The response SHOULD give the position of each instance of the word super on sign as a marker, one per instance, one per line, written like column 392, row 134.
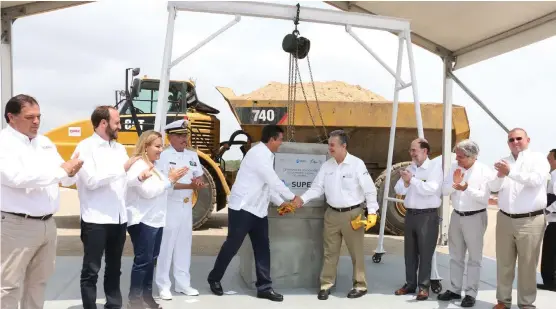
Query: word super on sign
column 262, row 115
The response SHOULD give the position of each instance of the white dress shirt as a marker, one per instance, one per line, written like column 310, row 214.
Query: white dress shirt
column 170, row 158
column 344, row 185
column 524, row 189
column 425, row 186
column 101, row 182
column 476, row 196
column 30, row 174
column 146, row 201
column 551, row 217
column 257, row 183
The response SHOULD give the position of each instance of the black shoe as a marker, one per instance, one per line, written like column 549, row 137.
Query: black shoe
column 216, row 288
column 448, row 295
column 270, row 295
column 323, row 294
column 356, row 293
column 546, row 287
column 150, row 303
column 468, row 301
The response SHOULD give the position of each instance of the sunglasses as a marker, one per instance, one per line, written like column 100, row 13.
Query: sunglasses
column 511, row 140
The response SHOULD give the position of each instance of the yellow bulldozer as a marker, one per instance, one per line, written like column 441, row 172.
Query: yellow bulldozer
column 367, row 120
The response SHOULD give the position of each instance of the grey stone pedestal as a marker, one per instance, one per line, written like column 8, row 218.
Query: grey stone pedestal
column 296, row 250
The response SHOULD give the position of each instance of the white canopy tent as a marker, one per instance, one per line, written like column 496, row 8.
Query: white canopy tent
column 462, row 34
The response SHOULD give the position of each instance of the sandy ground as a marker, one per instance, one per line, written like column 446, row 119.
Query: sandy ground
column 208, row 239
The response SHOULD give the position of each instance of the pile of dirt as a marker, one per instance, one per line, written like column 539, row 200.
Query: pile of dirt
column 326, row 91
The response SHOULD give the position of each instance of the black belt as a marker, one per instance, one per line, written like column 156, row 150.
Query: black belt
column 26, row 216
column 345, row 208
column 469, row 213
column 525, row 215
column 415, row 211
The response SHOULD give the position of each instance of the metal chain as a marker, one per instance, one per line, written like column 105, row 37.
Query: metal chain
column 306, row 102
column 316, row 99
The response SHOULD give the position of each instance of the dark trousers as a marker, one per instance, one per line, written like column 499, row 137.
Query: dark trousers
column 98, row 239
column 548, row 259
column 420, row 236
column 146, row 246
column 241, row 223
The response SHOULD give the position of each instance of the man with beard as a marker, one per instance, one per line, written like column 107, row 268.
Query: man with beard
column 101, row 186
column 175, row 248
column 421, row 183
column 521, row 185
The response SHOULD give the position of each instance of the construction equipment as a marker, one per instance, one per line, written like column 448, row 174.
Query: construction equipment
column 366, row 118
column 137, row 106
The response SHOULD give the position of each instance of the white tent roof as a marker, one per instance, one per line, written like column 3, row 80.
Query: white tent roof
column 469, row 31
column 27, row 8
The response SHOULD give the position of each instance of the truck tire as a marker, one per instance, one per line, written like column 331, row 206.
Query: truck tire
column 395, row 212
column 204, row 200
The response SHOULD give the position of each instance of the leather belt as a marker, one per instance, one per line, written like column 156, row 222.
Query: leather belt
column 469, row 213
column 525, row 215
column 415, row 211
column 344, row 209
column 26, row 216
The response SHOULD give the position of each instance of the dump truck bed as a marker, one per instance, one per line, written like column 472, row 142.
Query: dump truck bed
column 367, row 124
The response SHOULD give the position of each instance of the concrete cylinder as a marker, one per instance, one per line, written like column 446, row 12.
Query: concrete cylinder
column 296, row 249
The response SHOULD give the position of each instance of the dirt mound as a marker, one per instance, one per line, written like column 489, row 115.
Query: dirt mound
column 326, row 91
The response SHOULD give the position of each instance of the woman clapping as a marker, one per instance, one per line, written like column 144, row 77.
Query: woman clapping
column 146, row 208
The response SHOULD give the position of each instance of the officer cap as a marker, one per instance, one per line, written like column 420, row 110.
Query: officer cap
column 177, row 127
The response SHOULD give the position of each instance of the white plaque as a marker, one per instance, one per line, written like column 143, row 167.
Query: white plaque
column 298, row 171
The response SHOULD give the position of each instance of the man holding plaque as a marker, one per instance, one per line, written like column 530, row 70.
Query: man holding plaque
column 346, row 183
column 175, row 248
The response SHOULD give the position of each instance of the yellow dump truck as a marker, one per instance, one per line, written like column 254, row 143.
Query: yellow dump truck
column 365, row 116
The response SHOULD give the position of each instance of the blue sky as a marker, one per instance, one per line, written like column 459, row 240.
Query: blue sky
column 74, row 59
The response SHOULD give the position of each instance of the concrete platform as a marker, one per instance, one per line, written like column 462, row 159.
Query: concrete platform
column 63, row 289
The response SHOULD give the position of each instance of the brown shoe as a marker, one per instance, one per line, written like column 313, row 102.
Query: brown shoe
column 500, row 306
column 423, row 294
column 405, row 289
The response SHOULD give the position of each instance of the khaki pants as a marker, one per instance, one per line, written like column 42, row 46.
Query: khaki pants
column 518, row 238
column 337, row 226
column 28, row 257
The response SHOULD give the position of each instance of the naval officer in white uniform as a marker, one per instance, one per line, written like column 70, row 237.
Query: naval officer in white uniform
column 175, row 249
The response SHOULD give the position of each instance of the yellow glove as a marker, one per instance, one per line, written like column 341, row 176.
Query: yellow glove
column 371, row 221
column 286, row 208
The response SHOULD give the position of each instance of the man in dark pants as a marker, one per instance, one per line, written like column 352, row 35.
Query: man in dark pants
column 101, row 185
column 548, row 257
column 421, row 183
column 256, row 184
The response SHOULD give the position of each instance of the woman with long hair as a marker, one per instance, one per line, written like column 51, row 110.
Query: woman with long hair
column 146, row 208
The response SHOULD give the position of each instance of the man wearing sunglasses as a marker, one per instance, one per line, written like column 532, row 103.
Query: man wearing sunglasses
column 521, row 185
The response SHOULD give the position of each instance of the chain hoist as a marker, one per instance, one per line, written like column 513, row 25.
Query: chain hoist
column 298, row 47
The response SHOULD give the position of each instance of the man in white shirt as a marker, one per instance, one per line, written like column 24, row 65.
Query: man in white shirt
column 101, row 186
column 521, row 185
column 31, row 170
column 467, row 185
column 548, row 257
column 346, row 183
column 255, row 186
column 175, row 249
column 421, row 183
